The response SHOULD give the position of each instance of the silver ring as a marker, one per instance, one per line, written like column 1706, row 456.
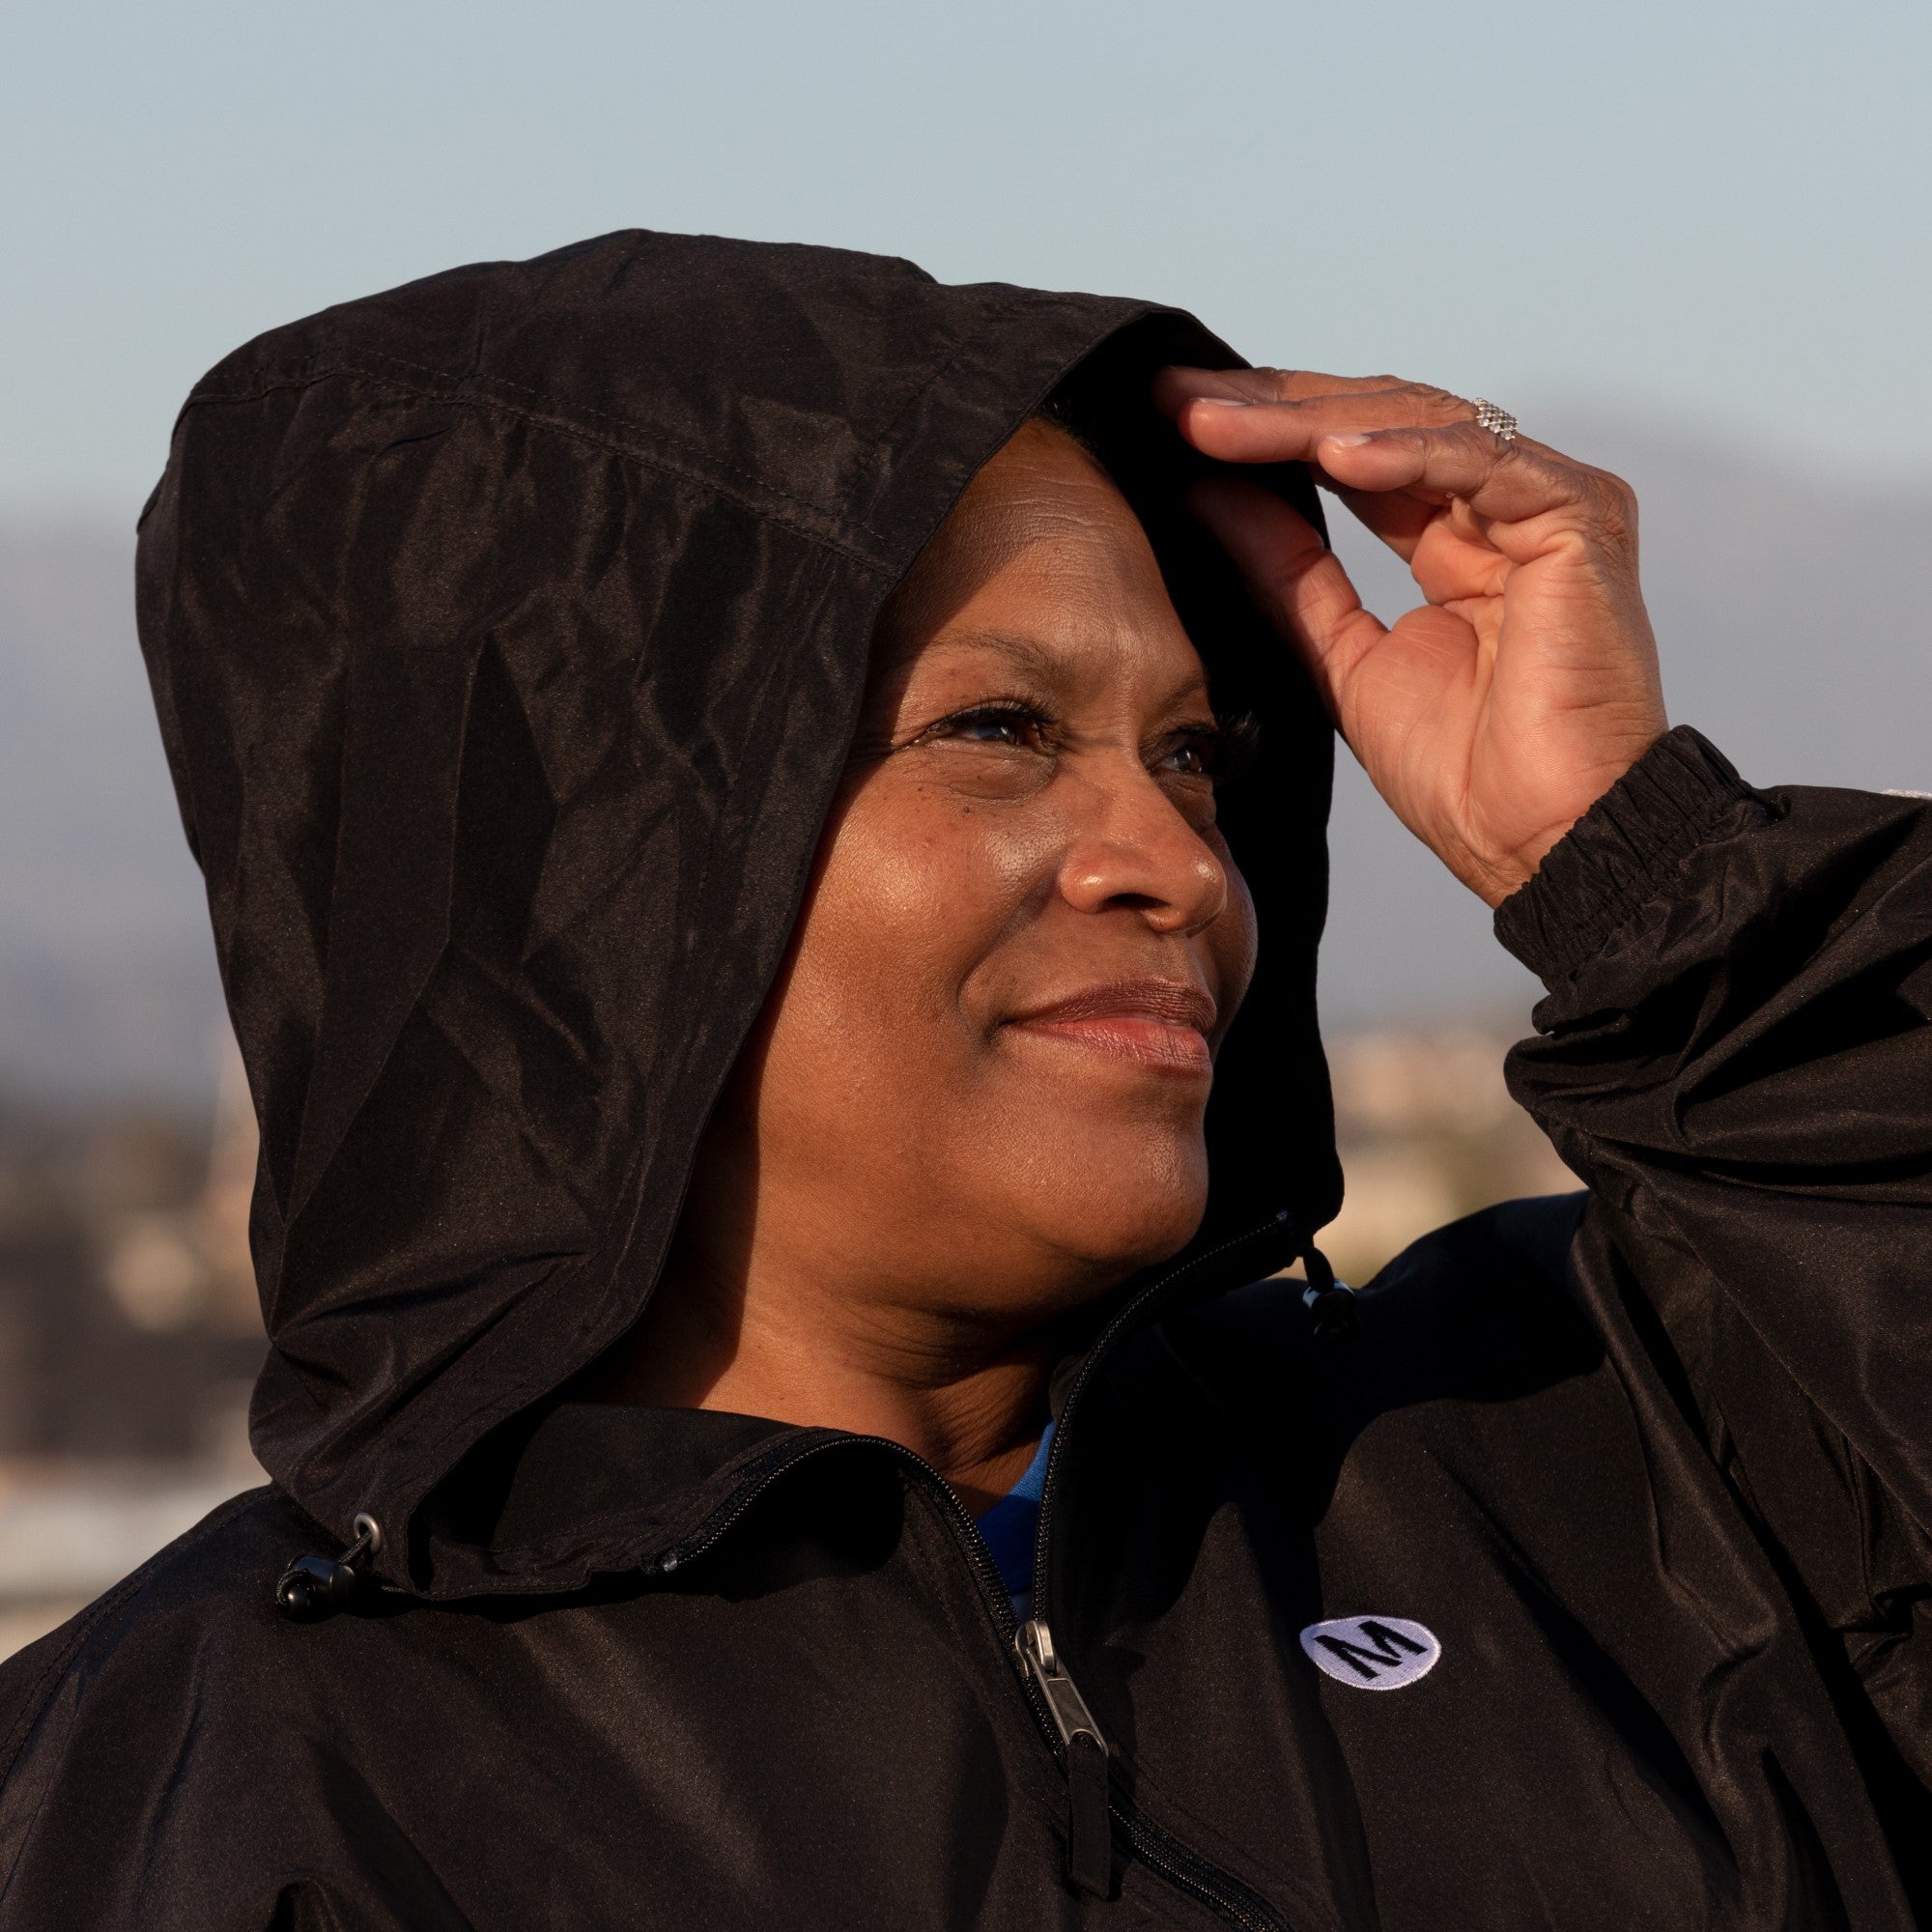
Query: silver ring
column 1497, row 420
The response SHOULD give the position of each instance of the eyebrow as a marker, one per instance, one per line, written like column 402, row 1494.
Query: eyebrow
column 1042, row 664
column 1028, row 655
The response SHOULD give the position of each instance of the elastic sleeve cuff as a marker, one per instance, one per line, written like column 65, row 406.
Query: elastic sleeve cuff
column 1622, row 853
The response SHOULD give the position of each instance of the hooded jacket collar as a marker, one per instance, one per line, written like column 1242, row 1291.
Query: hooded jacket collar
column 507, row 631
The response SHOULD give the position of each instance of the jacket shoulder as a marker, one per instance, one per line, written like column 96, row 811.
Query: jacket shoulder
column 1513, row 1245
column 141, row 1665
column 205, row 1578
column 1483, row 1303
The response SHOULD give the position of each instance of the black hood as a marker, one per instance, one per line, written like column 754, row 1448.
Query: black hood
column 507, row 631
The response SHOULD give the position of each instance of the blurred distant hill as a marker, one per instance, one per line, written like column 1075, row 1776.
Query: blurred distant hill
column 107, row 983
column 1795, row 615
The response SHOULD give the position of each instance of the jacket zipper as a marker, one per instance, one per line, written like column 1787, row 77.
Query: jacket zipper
column 1059, row 1711
column 1125, row 1318
column 966, row 1532
column 1083, row 1751
column 1084, row 1756
column 1091, row 1806
column 1227, row 1897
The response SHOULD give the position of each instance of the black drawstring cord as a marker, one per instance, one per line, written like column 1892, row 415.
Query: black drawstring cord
column 1331, row 1302
column 314, row 1587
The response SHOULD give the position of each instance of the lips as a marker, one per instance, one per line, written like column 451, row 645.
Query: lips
column 1158, row 1023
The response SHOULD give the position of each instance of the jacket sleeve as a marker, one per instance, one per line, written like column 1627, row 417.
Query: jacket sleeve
column 1735, row 1055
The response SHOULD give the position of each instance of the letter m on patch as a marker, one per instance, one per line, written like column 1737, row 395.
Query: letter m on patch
column 1375, row 1653
column 1380, row 1649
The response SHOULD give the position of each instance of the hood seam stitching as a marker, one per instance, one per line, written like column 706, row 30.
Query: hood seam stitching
column 562, row 425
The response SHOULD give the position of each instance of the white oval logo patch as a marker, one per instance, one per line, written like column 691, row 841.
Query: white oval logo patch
column 1372, row 1653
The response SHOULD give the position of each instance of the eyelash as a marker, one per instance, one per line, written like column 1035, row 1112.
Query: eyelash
column 1220, row 747
column 1015, row 711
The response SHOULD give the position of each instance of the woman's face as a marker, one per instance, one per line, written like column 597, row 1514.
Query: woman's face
column 989, row 1052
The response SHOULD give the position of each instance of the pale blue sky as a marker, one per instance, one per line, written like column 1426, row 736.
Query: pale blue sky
column 1689, row 241
column 1704, row 210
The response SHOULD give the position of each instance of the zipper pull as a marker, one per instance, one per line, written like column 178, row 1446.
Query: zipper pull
column 1090, row 1837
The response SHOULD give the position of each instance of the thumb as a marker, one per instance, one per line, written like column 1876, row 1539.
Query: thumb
column 1295, row 577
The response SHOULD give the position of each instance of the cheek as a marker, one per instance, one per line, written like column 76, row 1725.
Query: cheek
column 1233, row 942
column 913, row 890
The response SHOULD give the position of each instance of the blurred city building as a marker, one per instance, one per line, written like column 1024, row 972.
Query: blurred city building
column 130, row 1339
column 1428, row 1133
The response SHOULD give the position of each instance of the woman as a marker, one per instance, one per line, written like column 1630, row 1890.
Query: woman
column 720, row 776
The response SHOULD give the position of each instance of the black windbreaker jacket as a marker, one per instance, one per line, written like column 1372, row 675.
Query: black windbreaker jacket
column 506, row 632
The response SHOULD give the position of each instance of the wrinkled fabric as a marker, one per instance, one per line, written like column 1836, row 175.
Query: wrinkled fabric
column 507, row 631
column 502, row 728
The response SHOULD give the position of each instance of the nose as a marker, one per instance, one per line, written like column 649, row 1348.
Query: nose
column 1132, row 849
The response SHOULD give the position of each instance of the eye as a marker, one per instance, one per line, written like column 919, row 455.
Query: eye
column 1196, row 754
column 989, row 727
column 1220, row 752
column 1012, row 722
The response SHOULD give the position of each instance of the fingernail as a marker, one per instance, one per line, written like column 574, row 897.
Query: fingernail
column 1225, row 401
column 1349, row 442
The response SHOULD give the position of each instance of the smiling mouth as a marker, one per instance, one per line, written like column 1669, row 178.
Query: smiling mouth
column 1157, row 1023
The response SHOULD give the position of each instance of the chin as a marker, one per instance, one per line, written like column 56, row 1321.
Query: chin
column 1128, row 1207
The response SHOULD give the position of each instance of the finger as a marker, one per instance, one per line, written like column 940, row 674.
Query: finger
column 1394, row 516
column 1374, row 436
column 1272, row 415
column 1502, row 482
column 1176, row 384
column 1295, row 577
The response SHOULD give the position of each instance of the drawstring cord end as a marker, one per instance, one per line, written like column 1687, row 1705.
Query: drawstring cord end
column 314, row 1587
column 1331, row 1302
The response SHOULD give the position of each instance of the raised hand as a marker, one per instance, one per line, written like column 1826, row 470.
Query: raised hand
column 1493, row 715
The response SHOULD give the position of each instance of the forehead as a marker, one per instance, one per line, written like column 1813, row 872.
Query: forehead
column 1044, row 565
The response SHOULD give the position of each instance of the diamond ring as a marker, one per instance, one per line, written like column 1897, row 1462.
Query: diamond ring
column 1497, row 420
